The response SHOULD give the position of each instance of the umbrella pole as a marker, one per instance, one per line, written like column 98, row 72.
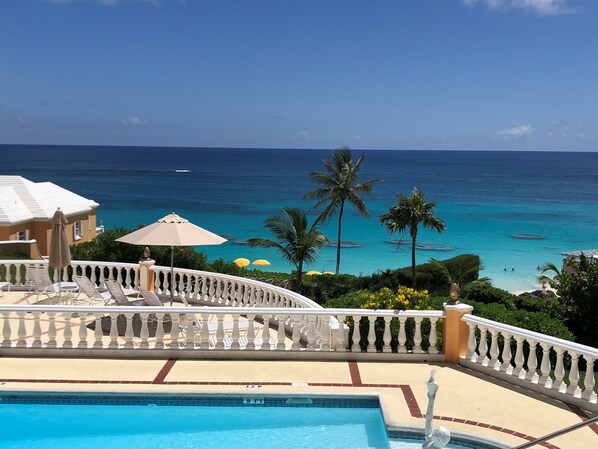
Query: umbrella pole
column 171, row 276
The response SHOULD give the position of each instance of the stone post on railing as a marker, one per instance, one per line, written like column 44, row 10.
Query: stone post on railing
column 456, row 332
column 146, row 272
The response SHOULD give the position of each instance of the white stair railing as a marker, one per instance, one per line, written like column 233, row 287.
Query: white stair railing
column 532, row 360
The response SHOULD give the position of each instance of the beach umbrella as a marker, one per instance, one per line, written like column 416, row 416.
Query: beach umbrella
column 328, row 272
column 313, row 273
column 261, row 262
column 172, row 231
column 60, row 254
column 241, row 262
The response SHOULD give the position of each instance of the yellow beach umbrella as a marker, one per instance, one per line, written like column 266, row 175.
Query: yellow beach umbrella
column 261, row 262
column 313, row 273
column 241, row 262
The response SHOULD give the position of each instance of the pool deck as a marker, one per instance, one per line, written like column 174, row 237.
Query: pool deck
column 467, row 402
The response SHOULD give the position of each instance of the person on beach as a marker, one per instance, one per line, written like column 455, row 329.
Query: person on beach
column 439, row 437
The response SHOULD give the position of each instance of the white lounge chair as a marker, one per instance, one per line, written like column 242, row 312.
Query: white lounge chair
column 119, row 294
column 4, row 285
column 41, row 283
column 90, row 290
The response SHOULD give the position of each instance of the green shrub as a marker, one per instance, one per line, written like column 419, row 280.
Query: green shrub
column 483, row 292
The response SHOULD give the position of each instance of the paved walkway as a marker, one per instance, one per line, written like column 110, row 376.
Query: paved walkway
column 467, row 403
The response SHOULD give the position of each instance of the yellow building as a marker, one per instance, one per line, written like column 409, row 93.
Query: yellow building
column 27, row 208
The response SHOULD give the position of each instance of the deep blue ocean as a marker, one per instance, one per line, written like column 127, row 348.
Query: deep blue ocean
column 484, row 198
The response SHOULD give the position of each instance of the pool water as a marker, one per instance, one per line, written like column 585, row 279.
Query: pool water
column 162, row 427
column 193, row 422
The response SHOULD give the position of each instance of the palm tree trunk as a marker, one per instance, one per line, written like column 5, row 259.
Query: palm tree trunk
column 413, row 275
column 299, row 282
column 338, row 241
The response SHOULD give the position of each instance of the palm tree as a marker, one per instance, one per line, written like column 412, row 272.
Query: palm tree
column 297, row 242
column 339, row 185
column 408, row 214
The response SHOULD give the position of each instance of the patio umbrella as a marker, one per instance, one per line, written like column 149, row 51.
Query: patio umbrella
column 172, row 231
column 313, row 273
column 261, row 262
column 60, row 254
column 241, row 262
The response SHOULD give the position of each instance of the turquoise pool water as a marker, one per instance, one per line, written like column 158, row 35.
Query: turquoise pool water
column 132, row 423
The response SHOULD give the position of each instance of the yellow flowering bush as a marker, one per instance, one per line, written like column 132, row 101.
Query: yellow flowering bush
column 404, row 298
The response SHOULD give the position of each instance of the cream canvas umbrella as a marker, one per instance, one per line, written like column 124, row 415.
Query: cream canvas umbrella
column 172, row 231
column 60, row 254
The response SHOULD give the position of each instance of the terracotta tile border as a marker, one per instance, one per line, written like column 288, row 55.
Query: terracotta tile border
column 355, row 375
column 159, row 379
column 583, row 416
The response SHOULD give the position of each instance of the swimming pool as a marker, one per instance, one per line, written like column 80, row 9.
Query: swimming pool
column 191, row 421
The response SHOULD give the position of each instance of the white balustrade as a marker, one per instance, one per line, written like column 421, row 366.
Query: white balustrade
column 204, row 328
column 517, row 360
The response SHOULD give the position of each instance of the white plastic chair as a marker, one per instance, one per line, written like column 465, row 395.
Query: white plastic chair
column 119, row 294
column 41, row 283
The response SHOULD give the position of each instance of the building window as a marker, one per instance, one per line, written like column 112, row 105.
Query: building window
column 77, row 230
column 21, row 235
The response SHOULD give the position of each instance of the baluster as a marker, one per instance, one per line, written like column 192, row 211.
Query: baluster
column 82, row 331
column 37, row 331
column 98, row 331
column 356, row 347
column 93, row 277
column 483, row 346
column 532, row 362
column 417, row 338
column 203, row 287
column 129, row 331
column 6, row 331
column 235, row 334
column 281, row 333
column 371, row 334
column 506, row 366
column 589, row 394
column 205, row 330
column 144, row 331
column 433, row 339
column 518, row 370
column 559, row 371
column 545, row 379
column 325, row 333
column 402, row 348
column 159, row 331
column 113, row 331
column 181, row 285
column 220, row 332
column 67, row 343
column 166, row 284
column 190, row 331
column 174, row 332
column 22, row 331
column 296, row 335
column 246, row 294
column 573, row 389
column 311, row 332
column 494, row 363
column 341, row 341
column 218, row 295
column 472, row 343
column 51, row 330
column 250, row 332
column 266, row 333
column 386, row 336
column 119, row 277
column 102, row 278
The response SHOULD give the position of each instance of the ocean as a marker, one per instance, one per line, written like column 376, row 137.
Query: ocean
column 516, row 210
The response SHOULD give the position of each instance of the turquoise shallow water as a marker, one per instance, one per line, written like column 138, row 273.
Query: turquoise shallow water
column 484, row 198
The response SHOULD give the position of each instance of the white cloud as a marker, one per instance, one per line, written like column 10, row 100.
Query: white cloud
column 516, row 132
column 134, row 121
column 539, row 7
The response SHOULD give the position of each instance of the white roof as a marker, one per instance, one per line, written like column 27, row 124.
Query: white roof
column 22, row 200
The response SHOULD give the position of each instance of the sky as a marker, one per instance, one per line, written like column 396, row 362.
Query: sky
column 370, row 74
